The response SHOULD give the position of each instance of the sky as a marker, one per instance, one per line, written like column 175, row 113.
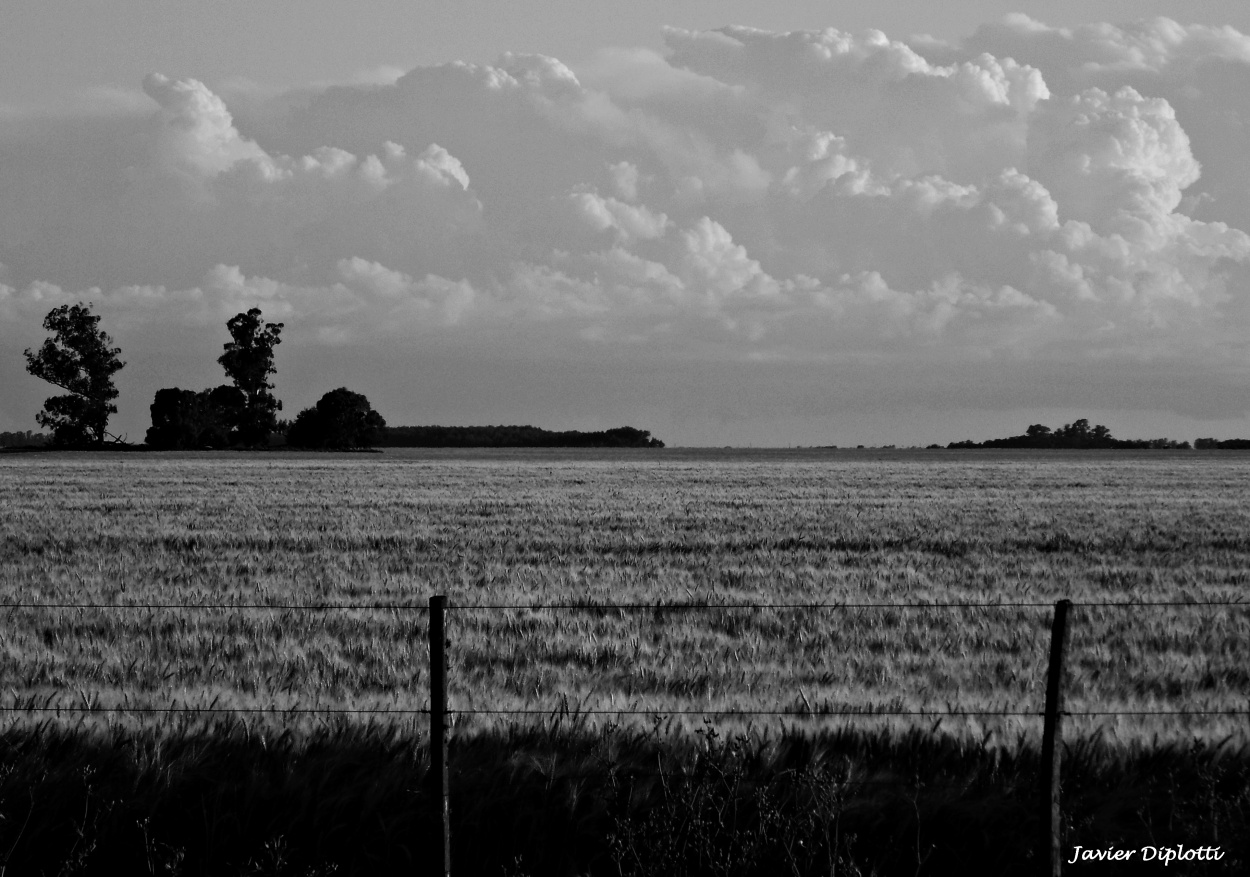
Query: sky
column 727, row 222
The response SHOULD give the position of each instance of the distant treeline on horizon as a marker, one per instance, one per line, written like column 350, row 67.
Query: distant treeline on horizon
column 1070, row 436
column 451, row 437
column 1080, row 435
column 25, row 439
column 511, row 437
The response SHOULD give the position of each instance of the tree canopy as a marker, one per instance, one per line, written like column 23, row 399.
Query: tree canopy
column 185, row 419
column 80, row 359
column 341, row 419
column 248, row 361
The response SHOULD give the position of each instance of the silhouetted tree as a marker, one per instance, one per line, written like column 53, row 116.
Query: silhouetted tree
column 176, row 419
column 248, row 361
column 78, row 359
column 184, row 419
column 1075, row 434
column 340, row 419
column 226, row 408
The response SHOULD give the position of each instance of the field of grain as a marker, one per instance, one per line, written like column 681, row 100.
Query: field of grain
column 707, row 535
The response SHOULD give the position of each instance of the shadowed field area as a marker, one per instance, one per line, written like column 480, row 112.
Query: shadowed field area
column 553, row 798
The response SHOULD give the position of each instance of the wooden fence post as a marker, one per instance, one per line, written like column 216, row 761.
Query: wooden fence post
column 439, row 728
column 1050, row 850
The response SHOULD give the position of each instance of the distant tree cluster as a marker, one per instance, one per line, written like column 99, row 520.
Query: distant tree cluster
column 25, row 439
column 1210, row 444
column 246, row 414
column 1078, row 434
column 242, row 415
column 79, row 359
column 513, row 437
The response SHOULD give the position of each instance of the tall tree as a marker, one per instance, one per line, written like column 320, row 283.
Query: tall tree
column 79, row 359
column 248, row 362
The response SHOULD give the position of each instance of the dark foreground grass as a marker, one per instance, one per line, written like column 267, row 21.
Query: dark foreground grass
column 235, row 797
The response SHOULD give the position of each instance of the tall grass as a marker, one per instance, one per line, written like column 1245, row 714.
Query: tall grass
column 555, row 798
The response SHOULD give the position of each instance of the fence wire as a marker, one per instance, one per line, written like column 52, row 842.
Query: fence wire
column 304, row 607
column 630, row 607
column 704, row 606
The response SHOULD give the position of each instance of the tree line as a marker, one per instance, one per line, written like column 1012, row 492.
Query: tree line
column 1210, row 444
column 1078, row 435
column 23, row 439
column 513, row 437
column 79, row 357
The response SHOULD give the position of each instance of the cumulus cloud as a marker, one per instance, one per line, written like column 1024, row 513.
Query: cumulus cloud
column 1103, row 156
column 1201, row 70
column 720, row 266
column 630, row 222
column 196, row 129
column 1029, row 194
column 410, row 306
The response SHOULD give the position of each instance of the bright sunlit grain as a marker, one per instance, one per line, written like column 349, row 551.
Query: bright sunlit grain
column 714, row 530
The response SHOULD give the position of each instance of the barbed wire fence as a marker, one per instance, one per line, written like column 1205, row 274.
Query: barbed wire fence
column 440, row 712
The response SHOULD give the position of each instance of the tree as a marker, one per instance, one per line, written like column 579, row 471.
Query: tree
column 184, row 419
column 225, row 406
column 1076, row 433
column 176, row 420
column 340, row 419
column 248, row 361
column 79, row 359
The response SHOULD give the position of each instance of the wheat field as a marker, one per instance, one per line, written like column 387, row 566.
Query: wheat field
column 705, row 534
